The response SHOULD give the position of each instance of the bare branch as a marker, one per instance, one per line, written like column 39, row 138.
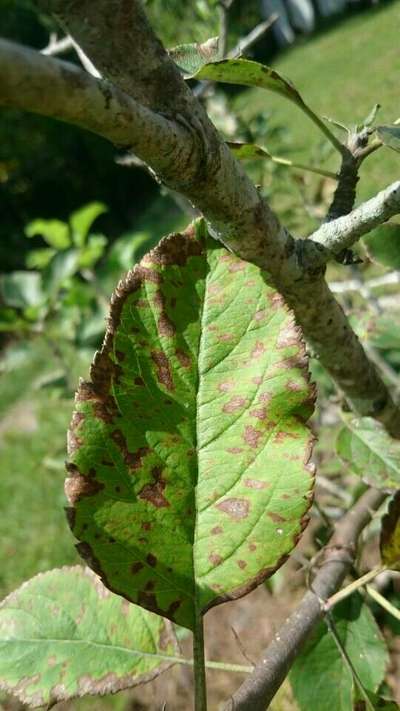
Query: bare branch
column 56, row 46
column 343, row 232
column 259, row 688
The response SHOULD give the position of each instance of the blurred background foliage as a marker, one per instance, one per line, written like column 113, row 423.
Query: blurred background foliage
column 73, row 219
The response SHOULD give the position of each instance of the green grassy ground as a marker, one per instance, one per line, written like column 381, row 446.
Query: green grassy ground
column 341, row 74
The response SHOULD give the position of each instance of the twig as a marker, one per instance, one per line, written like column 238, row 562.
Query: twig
column 56, row 46
column 343, row 232
column 258, row 690
column 349, row 285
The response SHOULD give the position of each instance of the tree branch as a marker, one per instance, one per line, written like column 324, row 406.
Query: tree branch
column 259, row 688
column 343, row 232
column 117, row 38
column 51, row 87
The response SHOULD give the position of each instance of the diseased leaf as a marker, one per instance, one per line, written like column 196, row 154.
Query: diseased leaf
column 320, row 680
column 383, row 245
column 63, row 634
column 82, row 220
column 390, row 534
column 249, row 73
column 191, row 57
column 390, row 136
column 188, row 472
column 370, row 452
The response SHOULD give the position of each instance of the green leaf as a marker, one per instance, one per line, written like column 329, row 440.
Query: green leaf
column 320, row 680
column 383, row 245
column 378, row 703
column 21, row 289
column 191, row 57
column 82, row 220
column 91, row 254
column 39, row 258
column 63, row 265
column 249, row 73
column 370, row 452
column 54, row 232
column 390, row 136
column 188, row 472
column 63, row 634
column 390, row 534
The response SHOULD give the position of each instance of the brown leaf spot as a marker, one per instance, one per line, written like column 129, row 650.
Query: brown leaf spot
column 216, row 530
column 183, row 357
column 235, row 508
column 256, row 484
column 275, row 517
column 234, row 404
column 260, row 315
column 234, row 450
column 293, row 386
column 164, row 374
column 215, row 559
column 136, row 567
column 282, row 436
column 265, row 397
column 151, row 560
column 139, row 381
column 225, row 337
column 260, row 413
column 242, row 564
column 251, row 436
column 257, row 380
column 154, row 493
column 237, row 267
column 225, row 387
column 258, row 350
column 276, row 300
column 252, row 547
column 79, row 485
column 165, row 326
column 146, row 526
column 287, row 337
column 120, row 355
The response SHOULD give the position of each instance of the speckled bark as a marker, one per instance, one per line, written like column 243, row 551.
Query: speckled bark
column 117, row 38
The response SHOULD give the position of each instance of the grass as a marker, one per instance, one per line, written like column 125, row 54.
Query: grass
column 341, row 74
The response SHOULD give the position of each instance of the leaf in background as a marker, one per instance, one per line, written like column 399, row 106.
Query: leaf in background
column 370, row 452
column 62, row 266
column 94, row 249
column 390, row 534
column 249, row 73
column 191, row 57
column 63, row 634
column 378, row 703
column 390, row 136
column 21, row 289
column 383, row 245
column 54, row 232
column 188, row 475
column 320, row 680
column 82, row 220
column 39, row 258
